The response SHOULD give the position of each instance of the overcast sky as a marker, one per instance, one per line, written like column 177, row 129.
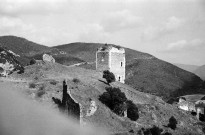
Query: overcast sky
column 172, row 30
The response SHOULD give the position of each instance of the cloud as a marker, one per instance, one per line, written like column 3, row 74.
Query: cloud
column 184, row 46
column 10, row 25
column 19, row 7
column 94, row 33
column 154, row 32
column 119, row 20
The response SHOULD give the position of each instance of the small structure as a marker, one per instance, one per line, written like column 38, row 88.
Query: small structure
column 48, row 58
column 186, row 105
column 113, row 59
column 200, row 107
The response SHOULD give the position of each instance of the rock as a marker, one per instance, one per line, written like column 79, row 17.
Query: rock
column 92, row 109
column 48, row 58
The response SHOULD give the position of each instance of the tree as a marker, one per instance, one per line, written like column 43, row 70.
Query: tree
column 109, row 76
column 132, row 111
column 114, row 99
column 172, row 123
column 33, row 61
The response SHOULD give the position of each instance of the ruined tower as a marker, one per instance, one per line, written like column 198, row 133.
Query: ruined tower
column 113, row 59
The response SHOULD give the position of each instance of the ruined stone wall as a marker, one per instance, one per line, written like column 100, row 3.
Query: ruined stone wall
column 102, row 61
column 117, row 65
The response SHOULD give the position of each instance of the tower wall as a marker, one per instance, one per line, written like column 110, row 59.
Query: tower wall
column 102, row 60
column 117, row 66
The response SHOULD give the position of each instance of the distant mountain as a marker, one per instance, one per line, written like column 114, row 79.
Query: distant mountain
column 9, row 62
column 190, row 68
column 144, row 72
column 200, row 72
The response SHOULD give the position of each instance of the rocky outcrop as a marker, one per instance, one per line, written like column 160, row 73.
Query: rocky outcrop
column 8, row 62
column 48, row 58
column 92, row 108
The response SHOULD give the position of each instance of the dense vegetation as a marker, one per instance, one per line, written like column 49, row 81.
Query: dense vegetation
column 109, row 76
column 118, row 103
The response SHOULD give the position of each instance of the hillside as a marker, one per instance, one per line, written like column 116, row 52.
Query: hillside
column 144, row 72
column 9, row 62
column 28, row 50
column 200, row 72
column 190, row 68
column 48, row 77
column 21, row 46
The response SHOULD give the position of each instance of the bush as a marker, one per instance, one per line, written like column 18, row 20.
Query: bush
column 132, row 111
column 201, row 117
column 114, row 99
column 152, row 131
column 33, row 61
column 53, row 82
column 118, row 103
column 75, row 80
column 172, row 123
column 40, row 93
column 109, row 76
column 193, row 113
column 32, row 85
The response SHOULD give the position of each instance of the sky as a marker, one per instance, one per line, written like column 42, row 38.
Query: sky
column 171, row 30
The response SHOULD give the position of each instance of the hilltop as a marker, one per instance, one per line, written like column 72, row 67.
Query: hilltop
column 48, row 77
column 144, row 72
column 28, row 50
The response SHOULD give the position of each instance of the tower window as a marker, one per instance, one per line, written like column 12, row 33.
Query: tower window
column 121, row 64
column 119, row 78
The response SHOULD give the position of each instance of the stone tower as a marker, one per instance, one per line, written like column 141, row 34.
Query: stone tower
column 113, row 59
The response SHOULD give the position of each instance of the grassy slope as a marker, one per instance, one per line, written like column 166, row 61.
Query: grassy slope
column 22, row 47
column 28, row 50
column 152, row 110
column 144, row 72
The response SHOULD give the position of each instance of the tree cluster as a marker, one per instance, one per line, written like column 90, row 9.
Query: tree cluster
column 118, row 103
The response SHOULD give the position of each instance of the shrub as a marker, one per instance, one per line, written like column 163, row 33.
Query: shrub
column 32, row 85
column 193, row 113
column 152, row 131
column 33, row 61
column 201, row 117
column 132, row 111
column 40, row 93
column 114, row 99
column 109, row 76
column 172, row 123
column 53, row 82
column 75, row 80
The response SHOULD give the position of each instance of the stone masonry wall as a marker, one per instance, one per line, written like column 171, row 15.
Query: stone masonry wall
column 102, row 61
column 118, row 65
